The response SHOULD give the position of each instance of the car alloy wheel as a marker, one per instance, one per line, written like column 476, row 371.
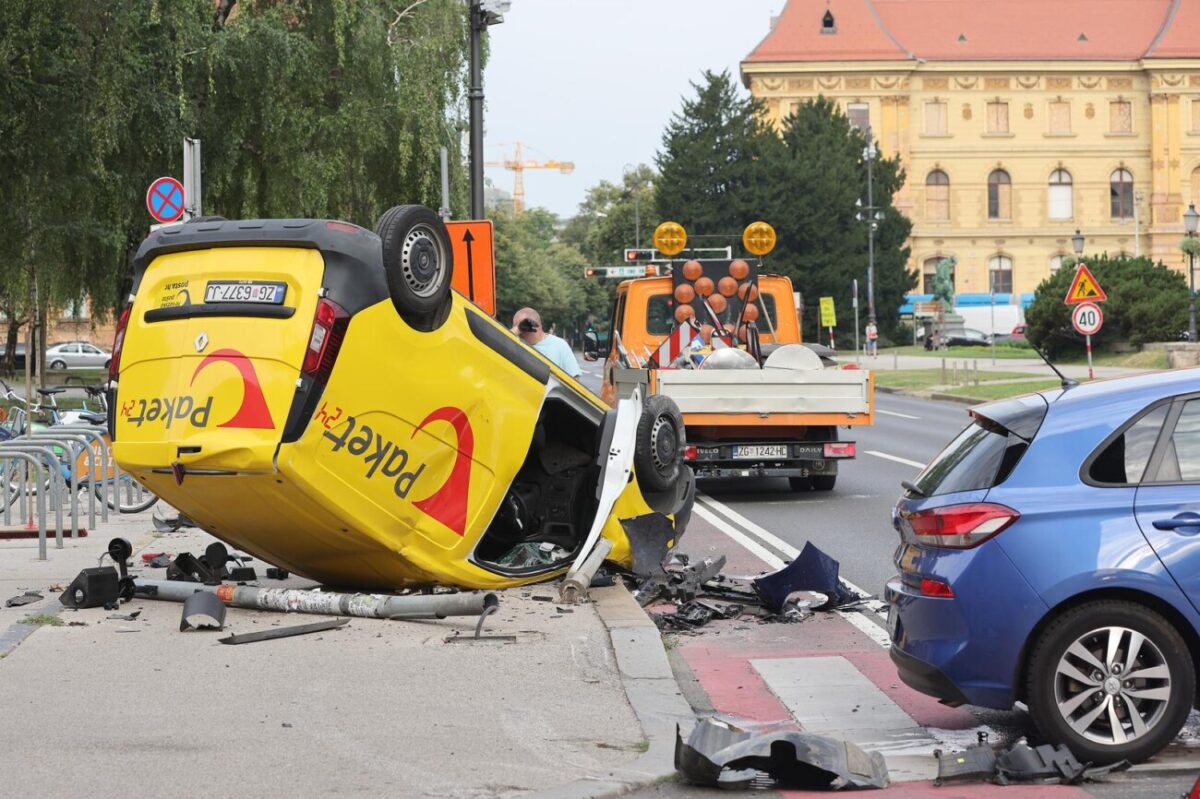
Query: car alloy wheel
column 1112, row 685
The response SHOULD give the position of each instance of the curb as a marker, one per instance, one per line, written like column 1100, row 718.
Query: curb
column 931, row 395
column 651, row 690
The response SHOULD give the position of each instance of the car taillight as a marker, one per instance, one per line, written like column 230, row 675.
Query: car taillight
column 839, row 449
column 114, row 363
column 328, row 330
column 690, row 452
column 957, row 526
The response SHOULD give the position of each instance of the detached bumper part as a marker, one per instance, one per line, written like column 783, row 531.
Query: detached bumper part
column 725, row 756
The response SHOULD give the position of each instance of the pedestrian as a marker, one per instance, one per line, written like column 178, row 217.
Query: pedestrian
column 527, row 323
column 872, row 340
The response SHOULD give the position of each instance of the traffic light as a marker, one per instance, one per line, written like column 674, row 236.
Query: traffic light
column 633, row 255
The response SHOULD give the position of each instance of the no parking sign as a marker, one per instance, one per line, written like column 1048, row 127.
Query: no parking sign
column 164, row 199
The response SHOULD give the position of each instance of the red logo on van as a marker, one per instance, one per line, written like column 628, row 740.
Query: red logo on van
column 253, row 413
column 449, row 503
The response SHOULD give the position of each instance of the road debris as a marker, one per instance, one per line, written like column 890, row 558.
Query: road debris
column 202, row 610
column 27, row 598
column 812, row 570
column 275, row 573
column 160, row 561
column 127, row 617
column 93, row 588
column 1020, row 763
column 723, row 755
column 284, row 632
column 165, row 524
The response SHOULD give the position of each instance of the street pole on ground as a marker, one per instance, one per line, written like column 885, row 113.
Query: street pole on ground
column 1091, row 374
column 1190, row 219
column 481, row 13
column 192, row 190
column 872, row 216
column 992, row 298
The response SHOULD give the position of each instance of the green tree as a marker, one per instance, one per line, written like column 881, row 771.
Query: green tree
column 816, row 183
column 716, row 161
column 1146, row 302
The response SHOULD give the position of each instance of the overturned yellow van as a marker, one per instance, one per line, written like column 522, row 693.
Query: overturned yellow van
column 315, row 394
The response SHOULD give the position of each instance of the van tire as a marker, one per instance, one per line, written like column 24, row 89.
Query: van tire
column 658, row 451
column 418, row 262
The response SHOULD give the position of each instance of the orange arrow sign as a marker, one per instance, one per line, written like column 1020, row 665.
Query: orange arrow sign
column 1084, row 288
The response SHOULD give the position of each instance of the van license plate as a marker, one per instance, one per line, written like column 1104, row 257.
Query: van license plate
column 245, row 291
column 761, row 451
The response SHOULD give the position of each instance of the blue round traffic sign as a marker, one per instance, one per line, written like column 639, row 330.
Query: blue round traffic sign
column 164, row 199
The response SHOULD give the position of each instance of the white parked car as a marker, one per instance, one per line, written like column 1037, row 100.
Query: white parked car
column 77, row 355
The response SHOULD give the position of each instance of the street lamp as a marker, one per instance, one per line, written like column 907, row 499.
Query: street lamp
column 1077, row 242
column 482, row 14
column 872, row 216
column 1190, row 218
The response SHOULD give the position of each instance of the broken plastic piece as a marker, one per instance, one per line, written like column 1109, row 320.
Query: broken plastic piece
column 162, row 561
column 243, row 574
column 275, row 573
column 812, row 570
column 650, row 538
column 284, row 632
column 202, row 610
column 1046, row 763
column 975, row 763
column 722, row 755
column 93, row 588
column 27, row 598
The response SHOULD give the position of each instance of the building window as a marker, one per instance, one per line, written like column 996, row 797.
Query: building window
column 1120, row 116
column 1000, row 274
column 1060, row 118
column 1056, row 263
column 827, row 24
column 929, row 271
column 1059, row 201
column 77, row 309
column 935, row 118
column 997, row 117
column 1121, row 194
column 999, row 195
column 860, row 116
column 937, row 197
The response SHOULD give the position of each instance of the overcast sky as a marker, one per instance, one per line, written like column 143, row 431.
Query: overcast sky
column 595, row 82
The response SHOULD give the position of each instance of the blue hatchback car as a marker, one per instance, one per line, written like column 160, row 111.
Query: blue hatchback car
column 1051, row 555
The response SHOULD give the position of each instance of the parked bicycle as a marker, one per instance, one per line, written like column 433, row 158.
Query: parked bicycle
column 131, row 496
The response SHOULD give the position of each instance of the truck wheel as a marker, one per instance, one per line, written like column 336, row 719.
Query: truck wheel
column 418, row 263
column 800, row 484
column 658, row 454
column 824, row 482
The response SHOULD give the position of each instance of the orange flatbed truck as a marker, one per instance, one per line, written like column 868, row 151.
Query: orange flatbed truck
column 778, row 417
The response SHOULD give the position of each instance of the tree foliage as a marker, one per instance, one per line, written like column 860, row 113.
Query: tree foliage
column 1146, row 302
column 305, row 108
column 723, row 167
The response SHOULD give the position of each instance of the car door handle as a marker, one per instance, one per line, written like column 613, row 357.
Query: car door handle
column 1179, row 522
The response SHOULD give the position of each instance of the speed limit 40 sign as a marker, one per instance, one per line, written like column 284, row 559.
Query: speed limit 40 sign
column 1087, row 318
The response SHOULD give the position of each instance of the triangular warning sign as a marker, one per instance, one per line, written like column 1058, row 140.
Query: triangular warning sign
column 1084, row 288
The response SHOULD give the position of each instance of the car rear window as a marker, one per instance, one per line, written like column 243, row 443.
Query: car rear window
column 982, row 456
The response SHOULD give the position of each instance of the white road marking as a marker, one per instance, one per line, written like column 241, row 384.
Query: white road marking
column 767, row 537
column 753, row 546
column 893, row 413
column 896, row 458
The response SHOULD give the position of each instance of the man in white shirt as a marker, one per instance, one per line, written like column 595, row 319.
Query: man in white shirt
column 527, row 323
column 872, row 340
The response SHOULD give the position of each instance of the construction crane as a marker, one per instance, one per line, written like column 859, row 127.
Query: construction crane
column 517, row 164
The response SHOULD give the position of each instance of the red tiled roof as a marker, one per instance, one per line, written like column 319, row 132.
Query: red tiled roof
column 968, row 30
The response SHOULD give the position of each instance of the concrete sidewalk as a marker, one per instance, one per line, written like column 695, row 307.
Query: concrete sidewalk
column 374, row 708
column 1035, row 366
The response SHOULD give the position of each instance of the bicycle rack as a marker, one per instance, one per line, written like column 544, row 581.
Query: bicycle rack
column 62, row 436
column 10, row 451
column 96, row 435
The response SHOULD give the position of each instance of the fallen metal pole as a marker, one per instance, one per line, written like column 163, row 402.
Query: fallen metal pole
column 574, row 587
column 289, row 600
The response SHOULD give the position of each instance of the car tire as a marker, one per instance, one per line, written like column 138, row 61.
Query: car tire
column 58, row 366
column 824, row 482
column 1078, row 641
column 658, row 451
column 108, row 363
column 801, row 484
column 418, row 262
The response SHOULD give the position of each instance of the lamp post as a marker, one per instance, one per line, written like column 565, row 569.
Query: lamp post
column 1077, row 242
column 637, row 204
column 1190, row 218
column 483, row 13
column 872, row 216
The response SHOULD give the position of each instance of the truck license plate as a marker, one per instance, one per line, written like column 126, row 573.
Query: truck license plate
column 761, row 451
column 245, row 291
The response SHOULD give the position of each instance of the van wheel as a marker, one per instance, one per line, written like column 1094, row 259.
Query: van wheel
column 824, row 482
column 1112, row 680
column 800, row 484
column 418, row 263
column 658, row 453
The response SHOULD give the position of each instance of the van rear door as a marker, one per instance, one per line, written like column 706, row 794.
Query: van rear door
column 212, row 353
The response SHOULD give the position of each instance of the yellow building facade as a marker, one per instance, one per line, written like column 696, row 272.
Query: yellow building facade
column 1007, row 154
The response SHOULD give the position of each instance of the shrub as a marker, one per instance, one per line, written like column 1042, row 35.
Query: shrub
column 1146, row 302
